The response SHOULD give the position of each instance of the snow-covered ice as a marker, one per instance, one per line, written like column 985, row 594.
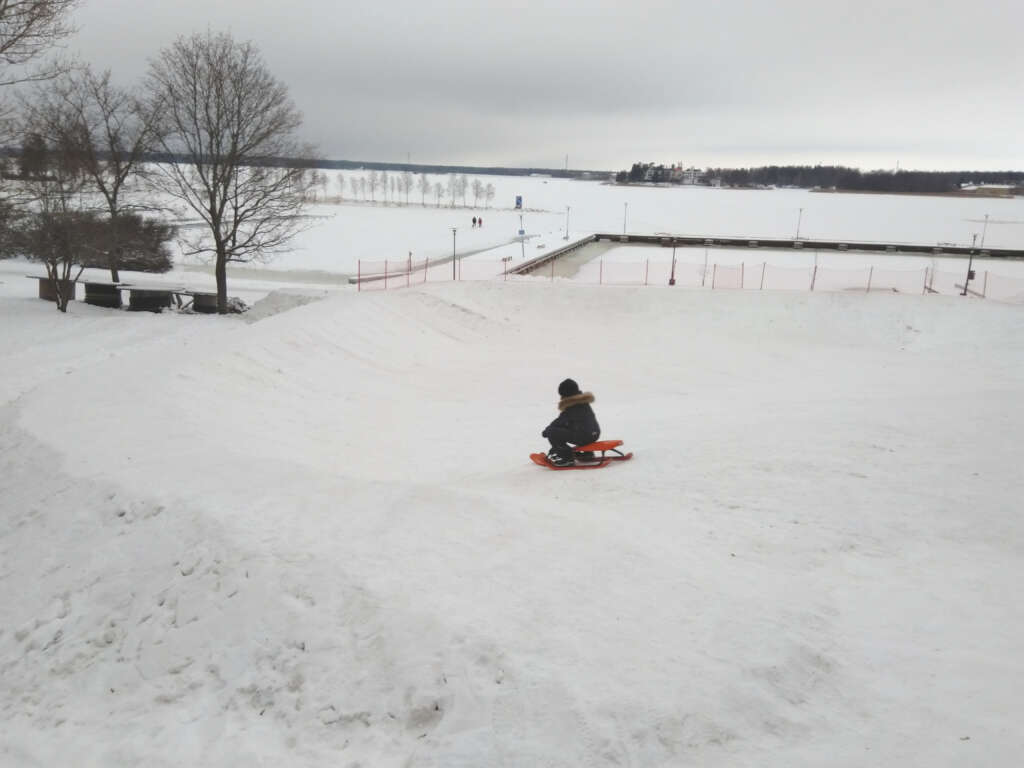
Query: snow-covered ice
column 315, row 538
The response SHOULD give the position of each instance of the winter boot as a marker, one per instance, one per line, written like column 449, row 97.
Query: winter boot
column 560, row 459
column 585, row 456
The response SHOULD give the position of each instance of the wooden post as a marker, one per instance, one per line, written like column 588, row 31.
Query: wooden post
column 814, row 276
column 426, row 268
column 984, row 285
column 647, row 270
column 924, row 288
column 870, row 273
column 600, row 272
column 359, row 275
column 714, row 273
column 408, row 271
column 764, row 265
column 552, row 270
column 742, row 274
column 385, row 274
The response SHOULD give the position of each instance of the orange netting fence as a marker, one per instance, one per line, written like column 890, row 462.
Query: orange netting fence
column 402, row 273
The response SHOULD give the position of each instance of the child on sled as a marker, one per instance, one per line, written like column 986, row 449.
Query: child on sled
column 576, row 425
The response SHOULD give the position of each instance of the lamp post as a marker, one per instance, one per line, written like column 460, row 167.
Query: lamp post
column 984, row 229
column 453, row 253
column 567, row 222
column 672, row 277
column 522, row 239
column 970, row 261
column 798, row 218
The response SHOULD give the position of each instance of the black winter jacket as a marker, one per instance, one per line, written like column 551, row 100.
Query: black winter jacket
column 578, row 417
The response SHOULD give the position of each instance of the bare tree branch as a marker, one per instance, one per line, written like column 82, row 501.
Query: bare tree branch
column 28, row 29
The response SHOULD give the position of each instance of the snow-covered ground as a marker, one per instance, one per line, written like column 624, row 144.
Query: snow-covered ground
column 310, row 535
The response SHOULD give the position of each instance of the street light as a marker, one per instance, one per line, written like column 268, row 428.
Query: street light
column 453, row 253
column 522, row 238
column 798, row 218
column 672, row 277
column 970, row 261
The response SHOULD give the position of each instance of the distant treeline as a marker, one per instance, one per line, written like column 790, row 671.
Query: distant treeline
column 313, row 162
column 843, row 178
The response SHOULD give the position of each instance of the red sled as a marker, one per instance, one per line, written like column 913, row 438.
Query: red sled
column 609, row 450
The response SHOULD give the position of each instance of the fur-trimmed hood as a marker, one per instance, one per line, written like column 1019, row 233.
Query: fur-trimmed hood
column 577, row 399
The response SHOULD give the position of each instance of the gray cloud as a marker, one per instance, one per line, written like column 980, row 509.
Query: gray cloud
column 929, row 82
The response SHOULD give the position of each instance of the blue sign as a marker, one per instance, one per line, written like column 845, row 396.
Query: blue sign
column 519, row 201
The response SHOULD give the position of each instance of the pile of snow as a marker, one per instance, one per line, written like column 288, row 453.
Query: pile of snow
column 317, row 539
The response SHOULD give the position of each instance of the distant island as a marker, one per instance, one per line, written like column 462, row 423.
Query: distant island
column 830, row 178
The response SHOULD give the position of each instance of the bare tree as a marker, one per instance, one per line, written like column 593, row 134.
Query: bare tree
column 313, row 180
column 341, row 186
column 478, row 190
column 463, row 187
column 230, row 122
column 453, row 187
column 28, row 29
column 353, row 182
column 52, row 227
column 110, row 131
column 406, row 184
column 438, row 191
column 373, row 184
column 489, row 194
column 424, row 187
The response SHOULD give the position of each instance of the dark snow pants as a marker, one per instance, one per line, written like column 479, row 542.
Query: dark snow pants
column 560, row 439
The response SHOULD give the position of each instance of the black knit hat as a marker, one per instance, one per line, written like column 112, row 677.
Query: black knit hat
column 568, row 388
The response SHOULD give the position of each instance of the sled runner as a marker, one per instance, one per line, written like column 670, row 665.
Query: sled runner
column 608, row 450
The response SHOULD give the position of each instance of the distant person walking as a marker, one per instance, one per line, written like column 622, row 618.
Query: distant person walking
column 480, row 221
column 474, row 221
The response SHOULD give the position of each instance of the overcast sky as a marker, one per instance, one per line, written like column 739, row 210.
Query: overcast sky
column 933, row 84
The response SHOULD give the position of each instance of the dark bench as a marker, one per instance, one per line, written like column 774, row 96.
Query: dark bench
column 103, row 294
column 48, row 289
column 199, row 301
column 150, row 298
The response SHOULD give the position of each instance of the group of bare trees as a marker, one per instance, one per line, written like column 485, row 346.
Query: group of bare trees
column 208, row 108
column 365, row 188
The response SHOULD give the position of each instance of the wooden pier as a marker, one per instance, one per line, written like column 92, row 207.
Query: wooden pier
column 771, row 243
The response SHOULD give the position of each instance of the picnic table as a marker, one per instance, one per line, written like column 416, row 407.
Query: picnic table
column 102, row 293
column 151, row 298
column 48, row 290
column 148, row 297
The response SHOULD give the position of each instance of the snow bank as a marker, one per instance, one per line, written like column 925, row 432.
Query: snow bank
column 317, row 539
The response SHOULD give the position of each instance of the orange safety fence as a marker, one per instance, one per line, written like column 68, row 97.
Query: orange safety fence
column 401, row 273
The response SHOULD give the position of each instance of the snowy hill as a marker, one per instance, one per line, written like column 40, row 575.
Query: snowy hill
column 316, row 539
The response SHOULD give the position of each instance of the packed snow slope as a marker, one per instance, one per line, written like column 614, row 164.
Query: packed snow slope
column 316, row 539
